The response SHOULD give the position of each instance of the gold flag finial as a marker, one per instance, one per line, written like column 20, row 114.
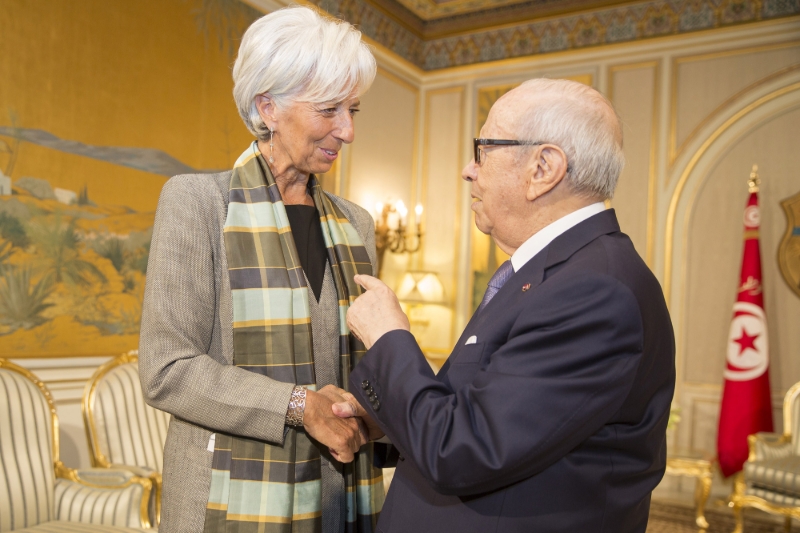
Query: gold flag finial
column 754, row 180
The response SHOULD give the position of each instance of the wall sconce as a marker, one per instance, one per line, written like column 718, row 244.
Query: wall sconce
column 419, row 288
column 392, row 231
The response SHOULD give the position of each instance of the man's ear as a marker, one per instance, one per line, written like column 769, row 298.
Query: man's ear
column 547, row 167
column 266, row 109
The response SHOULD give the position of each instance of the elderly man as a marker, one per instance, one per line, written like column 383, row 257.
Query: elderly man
column 550, row 414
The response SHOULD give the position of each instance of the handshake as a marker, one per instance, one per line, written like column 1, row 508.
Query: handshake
column 334, row 418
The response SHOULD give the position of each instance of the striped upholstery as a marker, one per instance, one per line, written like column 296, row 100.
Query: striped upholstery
column 113, row 507
column 780, row 475
column 770, row 446
column 26, row 453
column 71, row 527
column 126, row 430
column 773, row 497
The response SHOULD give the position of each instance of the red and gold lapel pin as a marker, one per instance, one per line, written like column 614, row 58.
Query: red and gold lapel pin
column 526, row 287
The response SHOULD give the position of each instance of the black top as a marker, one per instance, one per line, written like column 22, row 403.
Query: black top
column 307, row 233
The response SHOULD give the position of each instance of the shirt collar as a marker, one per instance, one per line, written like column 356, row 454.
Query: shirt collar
column 539, row 240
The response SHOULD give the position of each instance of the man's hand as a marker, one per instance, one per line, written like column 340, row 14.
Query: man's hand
column 349, row 407
column 375, row 312
column 342, row 436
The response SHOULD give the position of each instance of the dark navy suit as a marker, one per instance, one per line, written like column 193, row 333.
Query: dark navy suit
column 554, row 420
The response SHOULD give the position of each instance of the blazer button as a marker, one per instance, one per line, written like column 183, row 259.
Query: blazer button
column 365, row 385
column 400, row 457
column 376, row 405
column 372, row 397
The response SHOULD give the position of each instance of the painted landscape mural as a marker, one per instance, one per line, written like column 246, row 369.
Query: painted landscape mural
column 72, row 270
column 101, row 103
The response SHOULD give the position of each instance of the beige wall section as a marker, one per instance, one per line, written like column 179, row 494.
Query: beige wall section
column 715, row 243
column 381, row 163
column 633, row 91
column 441, row 182
column 698, row 94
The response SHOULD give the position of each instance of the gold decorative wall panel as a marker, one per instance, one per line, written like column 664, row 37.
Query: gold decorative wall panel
column 634, row 90
column 697, row 98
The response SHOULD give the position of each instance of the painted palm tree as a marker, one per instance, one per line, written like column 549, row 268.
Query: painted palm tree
column 22, row 301
column 58, row 243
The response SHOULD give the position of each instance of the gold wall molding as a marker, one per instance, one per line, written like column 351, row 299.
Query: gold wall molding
column 675, row 150
column 687, row 171
column 652, row 178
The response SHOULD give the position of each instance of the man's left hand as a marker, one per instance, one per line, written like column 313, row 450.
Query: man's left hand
column 375, row 312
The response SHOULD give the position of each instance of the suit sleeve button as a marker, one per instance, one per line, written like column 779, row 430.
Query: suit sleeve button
column 377, row 405
column 365, row 384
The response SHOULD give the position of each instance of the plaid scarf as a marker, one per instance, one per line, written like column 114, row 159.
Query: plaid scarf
column 257, row 486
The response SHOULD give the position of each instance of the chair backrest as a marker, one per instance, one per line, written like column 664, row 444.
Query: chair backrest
column 120, row 427
column 28, row 449
column 791, row 416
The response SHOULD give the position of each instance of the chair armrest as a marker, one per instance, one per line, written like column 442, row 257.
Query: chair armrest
column 768, row 446
column 153, row 475
column 81, row 496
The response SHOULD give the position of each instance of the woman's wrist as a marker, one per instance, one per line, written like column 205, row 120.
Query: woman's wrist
column 297, row 406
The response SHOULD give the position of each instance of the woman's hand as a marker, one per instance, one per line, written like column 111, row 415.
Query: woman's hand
column 349, row 407
column 343, row 436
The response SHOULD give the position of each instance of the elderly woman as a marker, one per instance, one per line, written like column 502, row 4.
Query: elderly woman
column 250, row 273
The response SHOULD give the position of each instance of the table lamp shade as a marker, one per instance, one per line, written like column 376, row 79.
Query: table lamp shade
column 422, row 287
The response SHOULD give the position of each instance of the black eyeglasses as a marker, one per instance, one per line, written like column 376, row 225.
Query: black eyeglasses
column 477, row 143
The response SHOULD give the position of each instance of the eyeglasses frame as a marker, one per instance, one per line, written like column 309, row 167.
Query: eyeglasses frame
column 478, row 142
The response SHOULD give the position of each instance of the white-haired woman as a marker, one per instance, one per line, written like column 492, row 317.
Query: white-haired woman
column 250, row 272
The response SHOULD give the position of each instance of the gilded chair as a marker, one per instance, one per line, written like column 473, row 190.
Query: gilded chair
column 770, row 480
column 38, row 494
column 122, row 430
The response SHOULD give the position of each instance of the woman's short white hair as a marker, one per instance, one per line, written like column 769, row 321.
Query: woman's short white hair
column 585, row 125
column 294, row 54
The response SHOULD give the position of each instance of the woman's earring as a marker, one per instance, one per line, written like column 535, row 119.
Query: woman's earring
column 271, row 158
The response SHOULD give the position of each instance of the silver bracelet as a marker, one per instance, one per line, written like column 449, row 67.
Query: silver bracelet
column 297, row 407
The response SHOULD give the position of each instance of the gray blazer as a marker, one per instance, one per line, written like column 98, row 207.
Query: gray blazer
column 186, row 343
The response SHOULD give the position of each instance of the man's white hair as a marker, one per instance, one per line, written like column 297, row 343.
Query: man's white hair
column 294, row 54
column 584, row 124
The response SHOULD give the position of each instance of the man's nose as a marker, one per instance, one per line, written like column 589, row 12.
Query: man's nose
column 470, row 172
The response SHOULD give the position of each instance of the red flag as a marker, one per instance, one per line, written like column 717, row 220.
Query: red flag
column 746, row 403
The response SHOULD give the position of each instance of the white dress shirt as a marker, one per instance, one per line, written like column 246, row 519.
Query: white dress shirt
column 539, row 240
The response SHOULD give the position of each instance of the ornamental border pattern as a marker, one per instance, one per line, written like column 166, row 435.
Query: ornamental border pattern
column 634, row 22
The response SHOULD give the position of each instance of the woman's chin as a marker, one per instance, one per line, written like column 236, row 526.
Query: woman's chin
column 321, row 168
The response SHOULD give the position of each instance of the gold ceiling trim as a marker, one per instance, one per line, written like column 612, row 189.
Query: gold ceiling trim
column 431, row 10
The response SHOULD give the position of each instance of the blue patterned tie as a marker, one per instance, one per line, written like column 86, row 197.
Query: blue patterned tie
column 499, row 279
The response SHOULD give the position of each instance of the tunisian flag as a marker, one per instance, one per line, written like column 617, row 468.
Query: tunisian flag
column 746, row 404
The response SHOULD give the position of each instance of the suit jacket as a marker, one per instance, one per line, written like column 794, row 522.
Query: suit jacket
column 554, row 420
column 186, row 342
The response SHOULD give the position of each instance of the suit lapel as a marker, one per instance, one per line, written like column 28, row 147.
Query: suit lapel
column 532, row 274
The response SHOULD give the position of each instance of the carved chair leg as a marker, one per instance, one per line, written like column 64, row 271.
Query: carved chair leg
column 702, row 490
column 737, row 515
column 738, row 493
